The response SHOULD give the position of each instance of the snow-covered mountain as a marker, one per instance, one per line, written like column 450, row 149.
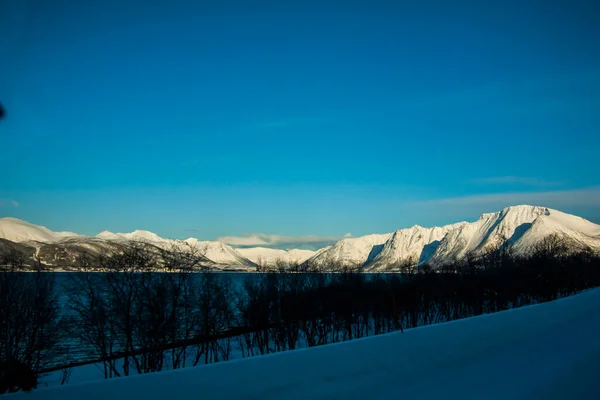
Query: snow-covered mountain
column 350, row 251
column 413, row 245
column 139, row 235
column 62, row 248
column 490, row 231
column 270, row 257
column 219, row 253
column 18, row 231
column 520, row 227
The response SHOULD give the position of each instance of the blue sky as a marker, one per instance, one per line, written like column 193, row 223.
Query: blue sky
column 295, row 118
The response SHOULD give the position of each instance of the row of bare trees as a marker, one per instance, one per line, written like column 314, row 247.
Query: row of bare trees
column 289, row 310
column 149, row 309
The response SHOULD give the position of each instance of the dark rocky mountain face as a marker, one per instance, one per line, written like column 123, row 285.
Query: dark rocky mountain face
column 76, row 254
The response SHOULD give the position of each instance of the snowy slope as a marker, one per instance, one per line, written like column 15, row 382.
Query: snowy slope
column 269, row 256
column 577, row 232
column 350, row 251
column 546, row 351
column 415, row 244
column 16, row 230
column 220, row 253
column 69, row 251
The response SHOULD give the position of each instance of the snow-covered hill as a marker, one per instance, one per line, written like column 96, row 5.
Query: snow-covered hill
column 546, row 351
column 18, row 231
column 270, row 257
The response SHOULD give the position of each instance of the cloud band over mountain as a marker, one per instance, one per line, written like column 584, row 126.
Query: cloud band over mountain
column 281, row 241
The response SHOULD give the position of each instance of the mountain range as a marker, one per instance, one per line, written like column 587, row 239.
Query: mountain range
column 519, row 227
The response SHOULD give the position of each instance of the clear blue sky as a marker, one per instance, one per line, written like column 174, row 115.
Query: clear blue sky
column 295, row 118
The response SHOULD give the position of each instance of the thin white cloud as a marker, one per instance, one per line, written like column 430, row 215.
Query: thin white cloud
column 249, row 240
column 584, row 202
column 586, row 197
column 280, row 241
column 515, row 180
column 14, row 203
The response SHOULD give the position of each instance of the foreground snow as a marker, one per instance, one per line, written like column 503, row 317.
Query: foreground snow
column 546, row 351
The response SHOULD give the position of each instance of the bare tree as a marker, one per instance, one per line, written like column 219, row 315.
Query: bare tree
column 214, row 315
column 142, row 304
column 550, row 246
column 30, row 326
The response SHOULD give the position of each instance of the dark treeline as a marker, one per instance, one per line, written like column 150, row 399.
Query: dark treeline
column 137, row 320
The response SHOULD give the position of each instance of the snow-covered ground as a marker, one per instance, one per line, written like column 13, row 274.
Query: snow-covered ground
column 546, row 351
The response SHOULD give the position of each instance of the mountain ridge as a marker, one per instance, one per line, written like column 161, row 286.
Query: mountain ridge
column 520, row 227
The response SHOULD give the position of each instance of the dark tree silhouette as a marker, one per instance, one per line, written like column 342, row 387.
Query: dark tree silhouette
column 16, row 375
column 30, row 326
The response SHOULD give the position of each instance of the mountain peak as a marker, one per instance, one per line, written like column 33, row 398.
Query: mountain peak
column 517, row 212
column 105, row 234
column 145, row 235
